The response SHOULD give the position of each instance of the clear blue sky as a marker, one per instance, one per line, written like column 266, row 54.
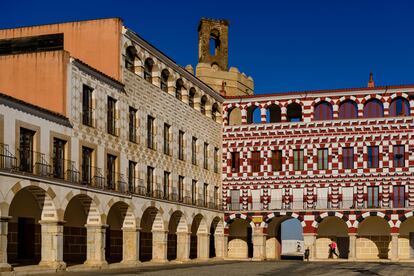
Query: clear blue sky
column 283, row 45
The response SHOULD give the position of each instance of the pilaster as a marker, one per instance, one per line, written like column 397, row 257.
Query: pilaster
column 394, row 247
column 309, row 239
column 183, row 246
column 159, row 246
column 352, row 247
column 95, row 247
column 203, row 248
column 4, row 266
column 259, row 244
column 52, row 244
column 130, row 248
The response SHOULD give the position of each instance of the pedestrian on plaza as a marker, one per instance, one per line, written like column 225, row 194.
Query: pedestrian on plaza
column 332, row 249
column 307, row 251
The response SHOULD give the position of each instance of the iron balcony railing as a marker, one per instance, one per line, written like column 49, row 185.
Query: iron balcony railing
column 92, row 176
column 7, row 160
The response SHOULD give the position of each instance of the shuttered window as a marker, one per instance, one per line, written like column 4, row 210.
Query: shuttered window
column 235, row 162
column 276, row 160
column 298, row 160
column 399, row 160
column 255, row 161
column 348, row 158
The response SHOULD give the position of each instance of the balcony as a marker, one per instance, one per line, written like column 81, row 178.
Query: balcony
column 7, row 160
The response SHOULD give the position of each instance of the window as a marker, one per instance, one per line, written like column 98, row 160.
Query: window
column 254, row 115
column 150, row 180
column 373, row 152
column 58, row 158
column 86, row 165
column 255, row 161
column 235, row 162
column 111, row 115
column 180, row 188
column 216, row 196
column 399, row 107
column 235, row 200
column 178, row 89
column 191, row 96
column 164, row 80
column 194, row 151
column 276, row 160
column 26, row 150
column 216, row 158
column 150, row 132
column 166, row 184
column 87, row 111
column 373, row 109
column 194, row 191
column 214, row 111
column 110, row 171
column 399, row 152
column 322, row 159
column 131, row 176
column 348, row 110
column 206, row 156
column 398, row 197
column 167, row 139
column 205, row 193
column 373, row 197
column 203, row 103
column 273, row 114
column 181, row 145
column 148, row 69
column 234, row 116
column 130, row 58
column 132, row 125
column 294, row 112
column 298, row 160
column 348, row 158
column 323, row 111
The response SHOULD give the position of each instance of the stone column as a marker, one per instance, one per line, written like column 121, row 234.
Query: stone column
column 130, row 247
column 220, row 245
column 183, row 246
column 203, row 247
column 95, row 245
column 4, row 221
column 352, row 247
column 159, row 246
column 259, row 244
column 394, row 247
column 52, row 244
column 309, row 239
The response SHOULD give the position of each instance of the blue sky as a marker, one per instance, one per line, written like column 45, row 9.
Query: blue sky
column 283, row 45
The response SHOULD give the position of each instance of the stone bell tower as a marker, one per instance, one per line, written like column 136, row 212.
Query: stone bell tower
column 213, row 53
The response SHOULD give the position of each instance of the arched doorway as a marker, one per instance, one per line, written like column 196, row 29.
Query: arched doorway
column 373, row 240
column 199, row 238
column 177, row 226
column 24, row 230
column 77, row 214
column 216, row 228
column 240, row 239
column 151, row 219
column 284, row 238
column 332, row 228
column 114, row 232
column 406, row 239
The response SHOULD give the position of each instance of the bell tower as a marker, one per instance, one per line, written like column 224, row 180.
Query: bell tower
column 213, row 42
column 213, row 60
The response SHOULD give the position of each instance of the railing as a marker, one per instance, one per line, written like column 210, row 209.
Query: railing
column 234, row 206
column 87, row 116
column 173, row 196
column 200, row 202
column 92, row 176
column 133, row 134
column 186, row 200
column 256, row 205
column 157, row 193
column 7, row 160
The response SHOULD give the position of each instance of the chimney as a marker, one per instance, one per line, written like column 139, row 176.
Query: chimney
column 371, row 81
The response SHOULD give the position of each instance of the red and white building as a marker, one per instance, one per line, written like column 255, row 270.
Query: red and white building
column 339, row 161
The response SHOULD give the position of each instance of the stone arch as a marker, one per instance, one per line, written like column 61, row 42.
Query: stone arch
column 373, row 236
column 216, row 229
column 149, row 69
column 165, row 78
column 192, row 95
column 320, row 218
column 373, row 108
column 215, row 112
column 294, row 112
column 203, row 104
column 348, row 109
column 329, row 228
column 132, row 61
column 365, row 215
column 323, row 110
column 405, row 226
column 399, row 106
column 253, row 114
column 273, row 113
column 199, row 232
column 177, row 224
column 179, row 88
column 234, row 116
column 91, row 206
column 240, row 244
column 151, row 220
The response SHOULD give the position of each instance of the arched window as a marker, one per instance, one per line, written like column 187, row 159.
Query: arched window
column 348, row 110
column 203, row 103
column 191, row 96
column 214, row 43
column 399, row 107
column 215, row 111
column 149, row 63
column 164, row 80
column 234, row 116
column 373, row 109
column 178, row 86
column 294, row 112
column 253, row 115
column 323, row 111
column 273, row 114
column 130, row 54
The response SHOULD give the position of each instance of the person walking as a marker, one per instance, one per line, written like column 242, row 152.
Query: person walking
column 332, row 249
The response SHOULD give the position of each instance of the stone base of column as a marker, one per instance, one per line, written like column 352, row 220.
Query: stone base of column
column 55, row 265
column 5, row 267
column 95, row 264
column 159, row 261
column 130, row 263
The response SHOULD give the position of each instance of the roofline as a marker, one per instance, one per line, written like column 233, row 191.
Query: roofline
column 63, row 22
column 171, row 63
column 34, row 110
column 321, row 91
